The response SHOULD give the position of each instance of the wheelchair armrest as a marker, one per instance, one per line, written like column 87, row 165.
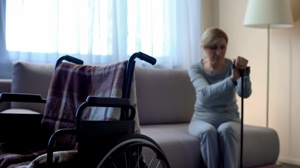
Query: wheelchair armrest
column 108, row 102
column 122, row 103
column 21, row 97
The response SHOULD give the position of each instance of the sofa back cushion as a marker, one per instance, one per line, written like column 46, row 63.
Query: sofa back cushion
column 164, row 96
column 31, row 78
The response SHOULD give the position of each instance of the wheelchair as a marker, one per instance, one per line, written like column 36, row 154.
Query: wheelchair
column 101, row 144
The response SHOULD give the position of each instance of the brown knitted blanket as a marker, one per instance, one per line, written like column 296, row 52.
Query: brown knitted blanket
column 71, row 85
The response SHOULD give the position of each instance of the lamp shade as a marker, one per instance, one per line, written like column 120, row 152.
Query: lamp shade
column 268, row 13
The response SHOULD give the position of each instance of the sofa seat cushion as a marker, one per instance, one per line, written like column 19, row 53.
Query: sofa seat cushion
column 261, row 145
column 19, row 111
column 181, row 149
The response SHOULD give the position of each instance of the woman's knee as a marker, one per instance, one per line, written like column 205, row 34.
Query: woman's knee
column 208, row 132
column 202, row 130
column 229, row 128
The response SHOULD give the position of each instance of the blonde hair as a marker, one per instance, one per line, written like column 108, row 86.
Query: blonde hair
column 211, row 35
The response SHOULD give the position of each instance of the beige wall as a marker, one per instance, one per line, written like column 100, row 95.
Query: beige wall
column 251, row 43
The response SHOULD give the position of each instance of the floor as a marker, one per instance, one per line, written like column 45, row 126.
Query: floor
column 285, row 165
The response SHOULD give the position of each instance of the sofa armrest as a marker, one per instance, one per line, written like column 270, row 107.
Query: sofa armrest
column 21, row 126
column 5, row 86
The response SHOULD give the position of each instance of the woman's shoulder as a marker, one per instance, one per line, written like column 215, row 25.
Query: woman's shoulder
column 229, row 61
column 196, row 65
column 196, row 69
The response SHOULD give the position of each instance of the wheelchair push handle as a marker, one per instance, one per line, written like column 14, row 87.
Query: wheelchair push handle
column 147, row 58
column 130, row 69
column 144, row 57
column 69, row 59
column 73, row 59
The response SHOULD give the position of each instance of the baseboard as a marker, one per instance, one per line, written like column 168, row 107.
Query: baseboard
column 294, row 161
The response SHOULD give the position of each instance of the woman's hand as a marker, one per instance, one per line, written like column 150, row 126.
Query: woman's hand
column 240, row 63
column 235, row 74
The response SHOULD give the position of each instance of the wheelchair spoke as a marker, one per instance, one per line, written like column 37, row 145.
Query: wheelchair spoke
column 134, row 153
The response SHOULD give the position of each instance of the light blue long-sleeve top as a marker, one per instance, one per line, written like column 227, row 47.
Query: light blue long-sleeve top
column 216, row 94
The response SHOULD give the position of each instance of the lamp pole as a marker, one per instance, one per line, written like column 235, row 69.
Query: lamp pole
column 268, row 78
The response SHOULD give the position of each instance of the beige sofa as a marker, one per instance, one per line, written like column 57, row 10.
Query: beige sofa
column 165, row 100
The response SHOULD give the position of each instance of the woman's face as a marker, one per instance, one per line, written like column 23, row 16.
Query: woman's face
column 216, row 52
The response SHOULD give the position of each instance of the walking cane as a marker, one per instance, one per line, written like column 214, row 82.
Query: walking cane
column 242, row 116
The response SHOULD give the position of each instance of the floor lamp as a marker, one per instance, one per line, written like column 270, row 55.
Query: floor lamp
column 268, row 14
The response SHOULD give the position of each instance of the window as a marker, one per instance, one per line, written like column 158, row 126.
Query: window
column 101, row 31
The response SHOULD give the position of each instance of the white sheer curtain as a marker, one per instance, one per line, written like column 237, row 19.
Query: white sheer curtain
column 5, row 62
column 104, row 31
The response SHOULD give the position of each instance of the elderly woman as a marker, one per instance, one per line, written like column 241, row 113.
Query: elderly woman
column 216, row 120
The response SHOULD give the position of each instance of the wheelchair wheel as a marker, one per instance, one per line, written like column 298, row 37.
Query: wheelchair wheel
column 134, row 150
